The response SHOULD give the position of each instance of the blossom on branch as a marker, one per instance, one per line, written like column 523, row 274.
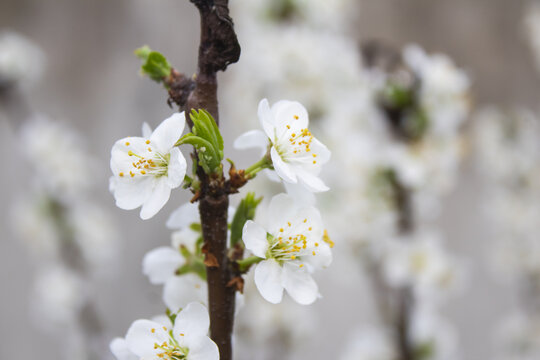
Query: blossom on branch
column 146, row 169
column 296, row 154
column 292, row 245
column 187, row 339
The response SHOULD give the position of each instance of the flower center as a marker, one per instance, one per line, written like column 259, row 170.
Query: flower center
column 291, row 242
column 296, row 146
column 170, row 350
column 147, row 163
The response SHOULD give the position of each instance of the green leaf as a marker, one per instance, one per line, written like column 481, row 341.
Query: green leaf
column 246, row 211
column 155, row 65
column 207, row 139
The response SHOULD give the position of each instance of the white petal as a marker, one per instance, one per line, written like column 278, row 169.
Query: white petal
column 185, row 237
column 254, row 237
column 202, row 348
column 168, row 132
column 322, row 152
column 290, row 113
column 282, row 169
column 142, row 335
column 299, row 284
column 266, row 118
column 322, row 257
column 300, row 194
column 182, row 290
column 176, row 169
column 121, row 161
column 268, row 275
column 132, row 193
column 193, row 321
column 282, row 208
column 146, row 130
column 184, row 216
column 120, row 350
column 160, row 264
column 310, row 181
column 252, row 139
column 159, row 197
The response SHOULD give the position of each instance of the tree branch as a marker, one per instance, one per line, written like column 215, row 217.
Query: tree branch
column 218, row 48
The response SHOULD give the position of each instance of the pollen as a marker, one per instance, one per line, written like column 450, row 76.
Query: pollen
column 301, row 265
column 127, row 143
column 309, row 228
column 147, row 141
column 305, row 220
column 296, row 117
column 289, row 223
column 130, row 153
column 281, row 230
column 313, row 253
column 288, row 126
column 165, row 328
column 314, row 155
column 143, row 172
column 131, row 173
column 150, row 149
column 121, row 174
column 314, row 161
column 327, row 239
column 153, row 330
column 316, row 244
column 293, row 257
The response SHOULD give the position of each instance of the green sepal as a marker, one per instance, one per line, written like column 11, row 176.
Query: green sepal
column 245, row 211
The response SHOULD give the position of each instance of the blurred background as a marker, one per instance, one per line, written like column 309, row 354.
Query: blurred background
column 90, row 81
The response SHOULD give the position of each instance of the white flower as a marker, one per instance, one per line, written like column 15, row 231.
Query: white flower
column 20, row 59
column 292, row 246
column 55, row 151
column 297, row 156
column 146, row 169
column 369, row 343
column 188, row 339
column 58, row 296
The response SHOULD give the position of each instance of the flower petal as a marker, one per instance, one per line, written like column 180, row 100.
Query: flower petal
column 120, row 350
column 192, row 321
column 252, row 139
column 182, row 290
column 160, row 264
column 132, row 193
column 282, row 208
column 142, row 335
column 299, row 284
column 176, row 169
column 159, row 197
column 322, row 257
column 184, row 216
column 146, row 130
column 310, row 181
column 168, row 132
column 290, row 113
column 300, row 194
column 268, row 276
column 267, row 120
column 282, row 169
column 202, row 348
column 254, row 237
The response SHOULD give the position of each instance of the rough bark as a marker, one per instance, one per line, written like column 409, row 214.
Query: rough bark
column 218, row 48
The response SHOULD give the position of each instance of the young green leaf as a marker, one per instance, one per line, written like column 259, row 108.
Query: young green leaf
column 246, row 211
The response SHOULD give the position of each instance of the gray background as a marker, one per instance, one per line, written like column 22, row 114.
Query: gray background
column 92, row 80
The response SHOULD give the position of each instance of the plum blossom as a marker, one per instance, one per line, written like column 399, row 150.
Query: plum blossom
column 292, row 245
column 145, row 169
column 187, row 339
column 297, row 156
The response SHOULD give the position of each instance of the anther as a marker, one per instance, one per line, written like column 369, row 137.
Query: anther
column 121, row 174
column 148, row 141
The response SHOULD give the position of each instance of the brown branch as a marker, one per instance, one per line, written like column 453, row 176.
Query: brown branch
column 218, row 48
